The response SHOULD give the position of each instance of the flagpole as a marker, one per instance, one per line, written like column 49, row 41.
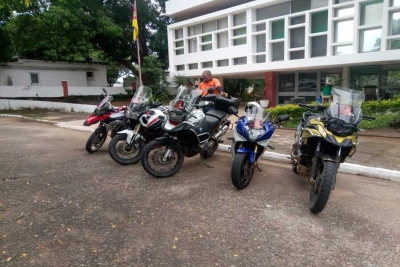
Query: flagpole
column 135, row 35
column 140, row 68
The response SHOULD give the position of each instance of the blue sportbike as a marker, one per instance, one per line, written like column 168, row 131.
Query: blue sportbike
column 251, row 137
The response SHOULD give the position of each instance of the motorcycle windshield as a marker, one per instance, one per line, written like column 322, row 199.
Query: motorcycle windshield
column 104, row 103
column 346, row 105
column 140, row 99
column 185, row 99
column 254, row 114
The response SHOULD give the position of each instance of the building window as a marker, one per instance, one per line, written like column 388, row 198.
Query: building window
column 240, row 41
column 207, row 38
column 179, row 52
column 307, row 82
column 273, row 11
column 297, row 37
column 89, row 74
column 240, row 61
column 180, row 67
column 342, row 50
column 300, row 5
column 222, row 40
column 239, row 32
column 260, row 59
column 278, row 29
column 261, row 27
column 371, row 12
column 222, row 23
column 194, row 30
column 179, row 34
column 287, row 82
column 278, row 51
column 239, row 19
column 192, row 44
column 394, row 2
column 179, row 44
column 35, row 77
column 344, row 31
column 206, row 47
column 342, row 1
column 209, row 26
column 370, row 40
column 298, row 20
column 193, row 66
column 394, row 44
column 296, row 55
column 223, row 62
column 319, row 22
column 345, row 11
column 208, row 64
column 319, row 3
column 319, row 46
column 261, row 43
column 395, row 23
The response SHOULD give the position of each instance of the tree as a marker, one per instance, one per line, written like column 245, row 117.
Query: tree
column 75, row 29
column 155, row 73
column 114, row 72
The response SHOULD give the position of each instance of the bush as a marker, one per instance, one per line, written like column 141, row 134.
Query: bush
column 383, row 106
column 382, row 121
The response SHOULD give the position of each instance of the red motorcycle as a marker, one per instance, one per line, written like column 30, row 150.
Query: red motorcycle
column 112, row 119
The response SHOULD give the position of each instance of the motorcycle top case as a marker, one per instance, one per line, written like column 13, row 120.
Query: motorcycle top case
column 223, row 103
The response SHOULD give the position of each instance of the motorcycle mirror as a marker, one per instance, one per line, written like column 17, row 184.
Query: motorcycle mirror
column 210, row 90
column 282, row 118
column 233, row 110
column 104, row 90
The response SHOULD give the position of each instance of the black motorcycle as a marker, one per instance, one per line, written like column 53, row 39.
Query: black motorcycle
column 188, row 131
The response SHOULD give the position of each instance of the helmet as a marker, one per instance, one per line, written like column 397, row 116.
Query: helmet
column 254, row 114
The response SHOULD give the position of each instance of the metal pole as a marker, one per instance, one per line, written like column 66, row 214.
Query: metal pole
column 140, row 68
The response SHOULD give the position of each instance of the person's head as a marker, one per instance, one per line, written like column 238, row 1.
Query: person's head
column 206, row 75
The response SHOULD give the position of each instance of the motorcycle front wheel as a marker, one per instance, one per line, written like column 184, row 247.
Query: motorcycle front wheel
column 153, row 159
column 321, row 189
column 242, row 171
column 95, row 141
column 125, row 153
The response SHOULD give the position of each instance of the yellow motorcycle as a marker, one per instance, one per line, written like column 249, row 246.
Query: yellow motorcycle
column 325, row 137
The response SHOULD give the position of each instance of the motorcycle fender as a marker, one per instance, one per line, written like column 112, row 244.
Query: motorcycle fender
column 164, row 138
column 101, row 129
column 237, row 137
column 332, row 158
column 247, row 150
column 129, row 135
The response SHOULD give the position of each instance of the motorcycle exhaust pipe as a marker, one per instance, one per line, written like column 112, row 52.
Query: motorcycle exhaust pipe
column 222, row 131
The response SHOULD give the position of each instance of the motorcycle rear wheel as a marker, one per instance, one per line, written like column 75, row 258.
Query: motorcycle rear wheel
column 242, row 171
column 152, row 159
column 210, row 150
column 95, row 141
column 122, row 152
column 321, row 189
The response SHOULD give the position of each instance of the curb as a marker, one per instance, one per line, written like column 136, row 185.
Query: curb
column 349, row 168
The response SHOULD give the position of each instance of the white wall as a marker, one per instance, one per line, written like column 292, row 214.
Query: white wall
column 19, row 104
column 54, row 91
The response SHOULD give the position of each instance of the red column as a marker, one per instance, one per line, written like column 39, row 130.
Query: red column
column 65, row 88
column 270, row 88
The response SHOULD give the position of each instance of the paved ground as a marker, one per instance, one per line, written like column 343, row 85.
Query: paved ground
column 63, row 207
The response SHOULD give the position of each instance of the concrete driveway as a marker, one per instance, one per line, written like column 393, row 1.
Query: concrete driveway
column 61, row 206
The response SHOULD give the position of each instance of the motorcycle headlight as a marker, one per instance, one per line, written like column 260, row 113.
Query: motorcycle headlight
column 173, row 116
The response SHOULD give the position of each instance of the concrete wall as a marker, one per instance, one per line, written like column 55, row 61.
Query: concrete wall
column 54, row 91
column 19, row 104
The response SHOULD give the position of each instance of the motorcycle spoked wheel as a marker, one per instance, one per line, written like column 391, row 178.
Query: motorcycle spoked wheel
column 95, row 141
column 322, row 187
column 153, row 163
column 210, row 150
column 125, row 153
column 242, row 171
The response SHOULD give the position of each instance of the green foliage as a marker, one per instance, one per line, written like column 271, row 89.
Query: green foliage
column 237, row 88
column 294, row 111
column 156, row 77
column 382, row 121
column 114, row 72
column 180, row 80
column 383, row 106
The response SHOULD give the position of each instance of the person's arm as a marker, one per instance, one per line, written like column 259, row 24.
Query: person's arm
column 218, row 86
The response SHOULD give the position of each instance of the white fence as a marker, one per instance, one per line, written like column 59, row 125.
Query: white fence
column 18, row 104
column 54, row 91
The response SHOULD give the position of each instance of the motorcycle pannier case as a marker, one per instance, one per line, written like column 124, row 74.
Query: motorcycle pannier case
column 222, row 103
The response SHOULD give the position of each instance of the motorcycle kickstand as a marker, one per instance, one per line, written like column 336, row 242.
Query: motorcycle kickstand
column 202, row 162
column 258, row 168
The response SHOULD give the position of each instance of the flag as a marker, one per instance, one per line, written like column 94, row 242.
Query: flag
column 135, row 25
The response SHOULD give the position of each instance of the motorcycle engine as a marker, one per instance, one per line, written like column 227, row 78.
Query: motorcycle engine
column 117, row 124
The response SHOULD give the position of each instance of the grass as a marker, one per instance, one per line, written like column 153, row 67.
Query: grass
column 2, row 208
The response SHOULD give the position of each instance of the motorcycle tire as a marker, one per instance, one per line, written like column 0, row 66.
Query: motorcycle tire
column 121, row 152
column 321, row 189
column 242, row 171
column 210, row 151
column 95, row 141
column 148, row 160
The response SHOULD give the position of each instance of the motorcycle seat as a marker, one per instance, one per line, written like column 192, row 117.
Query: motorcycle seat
column 216, row 114
column 212, row 122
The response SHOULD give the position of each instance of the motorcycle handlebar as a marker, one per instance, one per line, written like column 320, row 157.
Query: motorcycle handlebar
column 317, row 108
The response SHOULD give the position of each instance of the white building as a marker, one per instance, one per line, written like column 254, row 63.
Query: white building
column 296, row 46
column 44, row 73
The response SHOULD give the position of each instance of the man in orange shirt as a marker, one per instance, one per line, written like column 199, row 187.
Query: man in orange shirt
column 210, row 82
